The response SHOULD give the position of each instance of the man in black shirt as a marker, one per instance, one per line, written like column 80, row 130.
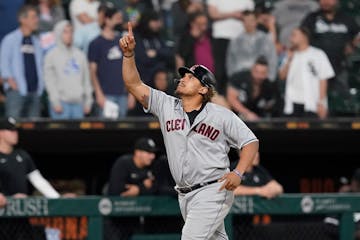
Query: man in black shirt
column 16, row 168
column 131, row 175
column 258, row 181
column 251, row 94
column 332, row 31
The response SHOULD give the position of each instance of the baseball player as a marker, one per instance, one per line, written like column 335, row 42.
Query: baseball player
column 197, row 135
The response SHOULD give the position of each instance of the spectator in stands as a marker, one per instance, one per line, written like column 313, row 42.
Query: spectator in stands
column 50, row 13
column 306, row 70
column 67, row 78
column 21, row 66
column 165, row 7
column 180, row 12
column 194, row 46
column 105, row 66
column 131, row 175
column 132, row 12
column 151, row 51
column 266, row 21
column 227, row 24
column 258, row 181
column 160, row 82
column 335, row 32
column 85, row 35
column 289, row 14
column 83, row 12
column 251, row 94
column 248, row 46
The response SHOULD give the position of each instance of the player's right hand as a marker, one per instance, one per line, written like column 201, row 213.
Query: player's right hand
column 127, row 43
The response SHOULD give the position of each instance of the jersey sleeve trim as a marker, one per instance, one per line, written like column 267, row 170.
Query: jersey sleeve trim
column 148, row 109
column 248, row 142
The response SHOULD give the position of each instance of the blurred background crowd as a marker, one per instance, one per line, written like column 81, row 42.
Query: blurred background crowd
column 283, row 58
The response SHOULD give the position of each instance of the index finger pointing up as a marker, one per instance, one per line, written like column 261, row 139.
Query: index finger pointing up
column 130, row 29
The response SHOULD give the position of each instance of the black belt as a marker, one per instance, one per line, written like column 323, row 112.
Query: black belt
column 185, row 190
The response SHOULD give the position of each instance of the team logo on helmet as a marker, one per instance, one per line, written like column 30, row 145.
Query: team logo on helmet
column 194, row 67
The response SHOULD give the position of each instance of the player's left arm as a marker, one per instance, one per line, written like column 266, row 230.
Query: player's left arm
column 233, row 178
column 42, row 185
column 36, row 179
column 241, row 137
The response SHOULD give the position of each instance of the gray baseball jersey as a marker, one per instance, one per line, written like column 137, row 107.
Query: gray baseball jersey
column 198, row 153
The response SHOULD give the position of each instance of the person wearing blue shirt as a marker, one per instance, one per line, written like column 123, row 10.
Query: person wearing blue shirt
column 21, row 67
column 105, row 60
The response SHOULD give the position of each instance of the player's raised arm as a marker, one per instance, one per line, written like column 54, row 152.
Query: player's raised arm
column 130, row 73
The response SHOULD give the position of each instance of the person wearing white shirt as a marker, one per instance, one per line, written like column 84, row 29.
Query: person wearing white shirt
column 227, row 24
column 83, row 12
column 306, row 70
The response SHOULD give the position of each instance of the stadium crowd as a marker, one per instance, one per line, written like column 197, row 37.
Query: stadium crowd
column 271, row 58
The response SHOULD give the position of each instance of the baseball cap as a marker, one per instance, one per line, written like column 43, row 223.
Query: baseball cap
column 146, row 144
column 205, row 76
column 264, row 6
column 8, row 123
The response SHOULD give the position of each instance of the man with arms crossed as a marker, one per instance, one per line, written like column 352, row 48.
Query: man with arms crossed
column 197, row 135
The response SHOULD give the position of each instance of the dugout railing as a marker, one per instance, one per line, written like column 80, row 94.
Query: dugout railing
column 97, row 209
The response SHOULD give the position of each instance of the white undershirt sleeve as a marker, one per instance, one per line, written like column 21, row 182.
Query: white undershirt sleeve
column 42, row 185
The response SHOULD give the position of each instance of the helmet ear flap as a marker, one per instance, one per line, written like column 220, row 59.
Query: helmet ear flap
column 207, row 79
